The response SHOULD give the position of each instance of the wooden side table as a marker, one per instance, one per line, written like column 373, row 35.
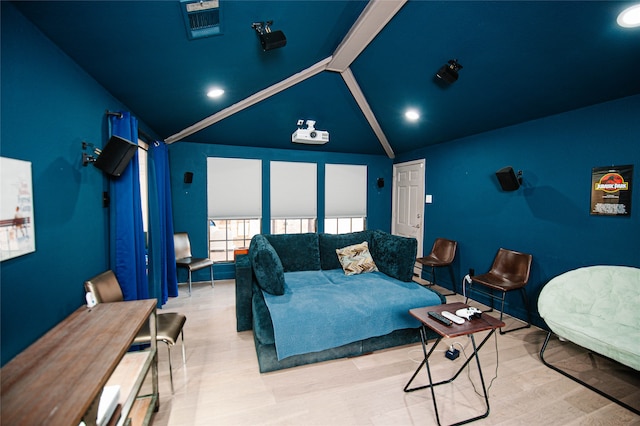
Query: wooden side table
column 469, row 328
column 58, row 380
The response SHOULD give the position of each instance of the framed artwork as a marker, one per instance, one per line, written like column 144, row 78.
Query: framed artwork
column 17, row 228
column 611, row 190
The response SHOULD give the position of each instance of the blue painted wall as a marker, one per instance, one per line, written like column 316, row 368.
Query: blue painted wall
column 190, row 200
column 49, row 106
column 549, row 216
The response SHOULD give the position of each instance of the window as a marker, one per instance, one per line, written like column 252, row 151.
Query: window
column 345, row 198
column 293, row 197
column 225, row 236
column 292, row 226
column 234, row 201
column 344, row 225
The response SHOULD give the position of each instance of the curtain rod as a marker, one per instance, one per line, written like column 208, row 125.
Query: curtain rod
column 116, row 114
column 143, row 135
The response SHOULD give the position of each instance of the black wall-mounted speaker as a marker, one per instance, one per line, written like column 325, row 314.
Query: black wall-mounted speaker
column 188, row 177
column 272, row 40
column 380, row 182
column 115, row 156
column 508, row 179
column 447, row 74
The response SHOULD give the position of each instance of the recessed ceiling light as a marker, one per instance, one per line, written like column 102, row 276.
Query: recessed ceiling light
column 412, row 115
column 630, row 17
column 215, row 93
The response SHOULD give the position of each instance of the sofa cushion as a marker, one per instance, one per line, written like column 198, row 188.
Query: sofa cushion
column 329, row 243
column 394, row 255
column 356, row 259
column 266, row 265
column 297, row 252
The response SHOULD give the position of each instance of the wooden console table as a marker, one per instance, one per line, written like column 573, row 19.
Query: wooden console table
column 58, row 380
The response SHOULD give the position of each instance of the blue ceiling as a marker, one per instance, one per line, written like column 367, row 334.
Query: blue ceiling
column 521, row 60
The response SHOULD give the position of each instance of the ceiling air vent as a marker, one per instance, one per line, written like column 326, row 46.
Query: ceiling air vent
column 202, row 18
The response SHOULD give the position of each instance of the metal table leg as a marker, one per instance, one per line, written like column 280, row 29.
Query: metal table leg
column 425, row 362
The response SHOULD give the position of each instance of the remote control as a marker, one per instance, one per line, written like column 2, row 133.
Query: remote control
column 439, row 317
column 453, row 317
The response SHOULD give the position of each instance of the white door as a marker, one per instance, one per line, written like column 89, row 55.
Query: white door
column 408, row 201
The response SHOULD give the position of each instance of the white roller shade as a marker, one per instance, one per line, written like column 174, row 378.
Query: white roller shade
column 293, row 190
column 345, row 191
column 234, row 188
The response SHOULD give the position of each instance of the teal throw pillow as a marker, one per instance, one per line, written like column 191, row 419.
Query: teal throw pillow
column 266, row 265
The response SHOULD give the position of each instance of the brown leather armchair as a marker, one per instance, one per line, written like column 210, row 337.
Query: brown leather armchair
column 185, row 260
column 442, row 253
column 510, row 271
column 106, row 289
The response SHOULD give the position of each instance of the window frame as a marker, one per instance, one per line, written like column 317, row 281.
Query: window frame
column 230, row 243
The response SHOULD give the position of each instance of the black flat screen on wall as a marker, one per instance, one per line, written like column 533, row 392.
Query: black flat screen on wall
column 115, row 156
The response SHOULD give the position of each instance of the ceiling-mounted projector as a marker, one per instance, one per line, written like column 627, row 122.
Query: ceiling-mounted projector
column 310, row 135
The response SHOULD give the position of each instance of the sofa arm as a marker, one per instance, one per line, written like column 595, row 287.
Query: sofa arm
column 244, row 277
column 394, row 255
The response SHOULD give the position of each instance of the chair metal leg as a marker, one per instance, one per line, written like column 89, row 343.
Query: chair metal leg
column 189, row 279
column 525, row 300
column 526, row 305
column 492, row 296
column 211, row 276
column 432, row 276
column 184, row 354
column 433, row 281
column 184, row 359
column 170, row 367
column 577, row 380
column 468, row 289
column 453, row 279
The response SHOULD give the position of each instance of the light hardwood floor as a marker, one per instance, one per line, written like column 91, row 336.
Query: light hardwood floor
column 221, row 384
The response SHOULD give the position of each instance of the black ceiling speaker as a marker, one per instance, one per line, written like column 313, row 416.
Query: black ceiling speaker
column 269, row 40
column 272, row 40
column 115, row 156
column 508, row 179
column 448, row 73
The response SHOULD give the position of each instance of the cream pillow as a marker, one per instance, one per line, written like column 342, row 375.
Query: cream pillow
column 356, row 259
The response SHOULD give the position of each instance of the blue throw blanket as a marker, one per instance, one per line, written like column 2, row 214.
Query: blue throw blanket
column 326, row 309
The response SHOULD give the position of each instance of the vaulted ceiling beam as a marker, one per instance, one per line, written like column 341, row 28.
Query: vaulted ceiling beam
column 353, row 86
column 371, row 21
column 251, row 100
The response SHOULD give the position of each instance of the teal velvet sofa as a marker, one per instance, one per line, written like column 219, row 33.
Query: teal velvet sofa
column 279, row 271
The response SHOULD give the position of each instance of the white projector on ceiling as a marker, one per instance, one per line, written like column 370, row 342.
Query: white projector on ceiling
column 309, row 135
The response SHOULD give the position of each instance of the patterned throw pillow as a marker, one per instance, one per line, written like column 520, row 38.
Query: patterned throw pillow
column 356, row 259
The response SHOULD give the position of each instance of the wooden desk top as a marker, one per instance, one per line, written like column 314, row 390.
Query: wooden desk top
column 476, row 325
column 55, row 380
